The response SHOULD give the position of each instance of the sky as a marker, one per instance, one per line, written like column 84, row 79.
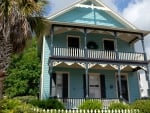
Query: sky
column 135, row 11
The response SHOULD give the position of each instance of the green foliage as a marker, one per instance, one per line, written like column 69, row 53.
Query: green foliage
column 23, row 73
column 8, row 104
column 118, row 106
column 14, row 106
column 91, row 104
column 48, row 104
column 142, row 105
column 25, row 99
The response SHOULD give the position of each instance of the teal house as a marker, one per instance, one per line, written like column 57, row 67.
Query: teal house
column 90, row 53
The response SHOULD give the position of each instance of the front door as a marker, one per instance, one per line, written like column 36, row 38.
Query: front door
column 94, row 85
column 124, row 87
column 60, row 85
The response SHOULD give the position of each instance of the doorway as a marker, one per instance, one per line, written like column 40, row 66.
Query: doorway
column 94, row 85
column 124, row 87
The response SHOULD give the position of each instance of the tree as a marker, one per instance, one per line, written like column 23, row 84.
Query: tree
column 18, row 20
column 23, row 73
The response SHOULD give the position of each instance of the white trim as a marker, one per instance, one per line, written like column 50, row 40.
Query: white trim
column 92, row 7
column 123, row 74
column 74, row 36
column 42, row 73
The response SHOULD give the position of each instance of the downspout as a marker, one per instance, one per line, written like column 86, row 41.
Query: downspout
column 86, row 63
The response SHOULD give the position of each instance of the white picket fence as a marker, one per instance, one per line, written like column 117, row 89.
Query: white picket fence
column 37, row 110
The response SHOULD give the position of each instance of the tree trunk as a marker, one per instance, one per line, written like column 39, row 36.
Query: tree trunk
column 2, row 76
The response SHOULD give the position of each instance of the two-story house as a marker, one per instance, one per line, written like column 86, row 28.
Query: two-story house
column 90, row 54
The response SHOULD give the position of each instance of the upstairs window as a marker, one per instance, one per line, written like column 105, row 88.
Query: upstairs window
column 109, row 45
column 73, row 42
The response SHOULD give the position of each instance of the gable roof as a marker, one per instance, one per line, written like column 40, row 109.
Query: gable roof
column 98, row 4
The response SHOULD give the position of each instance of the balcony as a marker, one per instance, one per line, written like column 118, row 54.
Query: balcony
column 96, row 55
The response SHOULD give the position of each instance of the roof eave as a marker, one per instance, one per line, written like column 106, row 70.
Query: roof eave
column 100, row 27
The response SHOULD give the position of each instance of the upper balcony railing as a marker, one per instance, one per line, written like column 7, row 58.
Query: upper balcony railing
column 97, row 54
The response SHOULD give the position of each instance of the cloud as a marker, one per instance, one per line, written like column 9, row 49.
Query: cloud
column 138, row 14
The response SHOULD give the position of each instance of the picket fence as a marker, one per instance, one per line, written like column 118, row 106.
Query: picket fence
column 37, row 110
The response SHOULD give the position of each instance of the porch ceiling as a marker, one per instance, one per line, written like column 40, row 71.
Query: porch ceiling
column 128, row 35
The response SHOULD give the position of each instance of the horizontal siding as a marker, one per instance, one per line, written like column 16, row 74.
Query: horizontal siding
column 133, row 86
column 46, row 77
column 60, row 40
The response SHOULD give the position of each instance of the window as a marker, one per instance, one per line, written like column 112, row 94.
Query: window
column 73, row 42
column 109, row 45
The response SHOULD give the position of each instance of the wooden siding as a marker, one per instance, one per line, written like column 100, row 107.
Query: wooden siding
column 45, row 89
column 134, row 89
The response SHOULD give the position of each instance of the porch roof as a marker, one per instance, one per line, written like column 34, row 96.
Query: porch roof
column 126, row 34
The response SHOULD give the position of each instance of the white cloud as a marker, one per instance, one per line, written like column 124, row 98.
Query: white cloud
column 138, row 13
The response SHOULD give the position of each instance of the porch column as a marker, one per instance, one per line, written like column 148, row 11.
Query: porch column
column 119, row 83
column 116, row 45
column 86, row 64
column 51, row 44
column 51, row 75
column 143, row 47
column 145, row 59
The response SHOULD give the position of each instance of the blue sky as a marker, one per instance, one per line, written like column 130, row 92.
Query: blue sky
column 135, row 11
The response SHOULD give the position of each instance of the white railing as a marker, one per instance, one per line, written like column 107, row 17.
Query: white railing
column 71, row 103
column 97, row 54
column 131, row 56
column 37, row 110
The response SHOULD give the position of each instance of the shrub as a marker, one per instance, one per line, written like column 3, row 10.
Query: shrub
column 118, row 106
column 142, row 105
column 91, row 104
column 25, row 99
column 48, row 104
column 8, row 104
column 24, row 108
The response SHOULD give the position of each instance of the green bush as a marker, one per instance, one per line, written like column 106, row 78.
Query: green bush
column 25, row 99
column 8, row 104
column 118, row 106
column 91, row 104
column 24, row 108
column 142, row 105
column 48, row 104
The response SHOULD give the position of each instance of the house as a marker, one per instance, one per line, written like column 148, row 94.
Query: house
column 90, row 54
